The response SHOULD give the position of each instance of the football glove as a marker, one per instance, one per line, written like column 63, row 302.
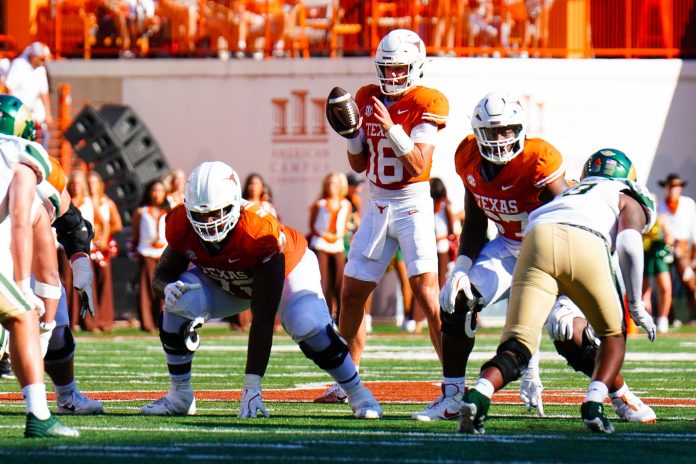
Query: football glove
column 82, row 281
column 530, row 391
column 174, row 290
column 251, row 397
column 457, row 282
column 641, row 317
column 560, row 321
column 45, row 333
column 34, row 301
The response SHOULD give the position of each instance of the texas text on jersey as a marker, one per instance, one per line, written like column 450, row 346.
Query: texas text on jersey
column 420, row 105
column 515, row 191
column 256, row 238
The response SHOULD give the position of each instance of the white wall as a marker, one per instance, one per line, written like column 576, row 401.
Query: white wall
column 207, row 109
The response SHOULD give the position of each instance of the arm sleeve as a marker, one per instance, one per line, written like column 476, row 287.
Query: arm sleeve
column 629, row 248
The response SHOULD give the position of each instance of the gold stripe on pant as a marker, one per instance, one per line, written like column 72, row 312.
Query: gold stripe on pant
column 558, row 259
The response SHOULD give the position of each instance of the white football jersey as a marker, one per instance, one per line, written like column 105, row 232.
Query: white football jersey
column 592, row 204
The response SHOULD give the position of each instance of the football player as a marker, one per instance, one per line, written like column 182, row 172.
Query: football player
column 394, row 148
column 23, row 165
column 75, row 235
column 242, row 257
column 507, row 176
column 568, row 249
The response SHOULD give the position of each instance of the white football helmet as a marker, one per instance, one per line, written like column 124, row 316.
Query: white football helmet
column 400, row 47
column 499, row 114
column 213, row 199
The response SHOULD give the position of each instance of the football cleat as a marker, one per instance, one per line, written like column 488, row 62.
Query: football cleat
column 593, row 416
column 630, row 408
column 49, row 428
column 333, row 395
column 6, row 368
column 445, row 407
column 364, row 404
column 472, row 412
column 173, row 404
column 78, row 403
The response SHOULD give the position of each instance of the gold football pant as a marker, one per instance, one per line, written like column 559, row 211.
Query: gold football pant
column 558, row 259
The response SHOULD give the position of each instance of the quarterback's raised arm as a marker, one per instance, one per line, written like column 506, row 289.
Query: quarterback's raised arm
column 265, row 298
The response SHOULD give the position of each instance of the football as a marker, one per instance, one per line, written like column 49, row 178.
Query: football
column 342, row 113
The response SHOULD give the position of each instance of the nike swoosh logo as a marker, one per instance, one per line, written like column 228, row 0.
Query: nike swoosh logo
column 233, row 260
column 450, row 415
column 401, row 111
column 506, row 187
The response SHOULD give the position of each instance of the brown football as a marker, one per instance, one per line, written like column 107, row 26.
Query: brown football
column 342, row 113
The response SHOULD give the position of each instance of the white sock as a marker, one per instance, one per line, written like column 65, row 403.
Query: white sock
column 596, row 392
column 620, row 392
column 241, row 45
column 453, row 385
column 484, row 387
column 346, row 375
column 35, row 400
column 65, row 390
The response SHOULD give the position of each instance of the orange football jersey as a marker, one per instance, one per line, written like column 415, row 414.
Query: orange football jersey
column 515, row 191
column 257, row 237
column 420, row 105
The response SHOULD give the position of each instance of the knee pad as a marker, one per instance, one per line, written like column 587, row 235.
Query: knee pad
column 330, row 357
column 511, row 359
column 581, row 358
column 183, row 342
column 61, row 346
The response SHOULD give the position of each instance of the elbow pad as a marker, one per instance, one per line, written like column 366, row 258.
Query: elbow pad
column 74, row 233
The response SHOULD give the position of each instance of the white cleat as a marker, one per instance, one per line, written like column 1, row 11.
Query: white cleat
column 78, row 403
column 364, row 404
column 445, row 407
column 173, row 404
column 630, row 408
column 333, row 395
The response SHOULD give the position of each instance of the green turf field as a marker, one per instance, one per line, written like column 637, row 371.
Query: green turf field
column 127, row 363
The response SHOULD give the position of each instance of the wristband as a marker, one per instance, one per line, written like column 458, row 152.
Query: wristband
column 355, row 146
column 47, row 291
column 400, row 141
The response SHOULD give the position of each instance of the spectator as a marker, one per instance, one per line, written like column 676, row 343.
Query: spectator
column 254, row 190
column 328, row 223
column 250, row 18
column 444, row 227
column 147, row 244
column 447, row 13
column 657, row 267
column 678, row 213
column 483, row 24
column 79, row 192
column 107, row 223
column 27, row 80
column 175, row 183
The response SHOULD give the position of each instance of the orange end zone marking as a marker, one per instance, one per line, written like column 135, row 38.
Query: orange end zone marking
column 386, row 392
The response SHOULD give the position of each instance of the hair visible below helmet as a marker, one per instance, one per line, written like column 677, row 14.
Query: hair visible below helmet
column 495, row 113
column 610, row 163
column 400, row 47
column 16, row 118
column 212, row 189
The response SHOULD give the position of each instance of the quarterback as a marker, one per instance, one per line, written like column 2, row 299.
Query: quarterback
column 224, row 255
column 400, row 122
column 507, row 176
column 568, row 249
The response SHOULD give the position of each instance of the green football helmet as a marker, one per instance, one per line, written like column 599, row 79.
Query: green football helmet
column 610, row 163
column 15, row 118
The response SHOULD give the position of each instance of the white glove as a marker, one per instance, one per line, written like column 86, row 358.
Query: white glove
column 530, row 391
column 641, row 317
column 456, row 282
column 560, row 321
column 82, row 281
column 173, row 291
column 34, row 301
column 45, row 332
column 251, row 397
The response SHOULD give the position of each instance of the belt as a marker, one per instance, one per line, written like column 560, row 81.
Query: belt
column 587, row 229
